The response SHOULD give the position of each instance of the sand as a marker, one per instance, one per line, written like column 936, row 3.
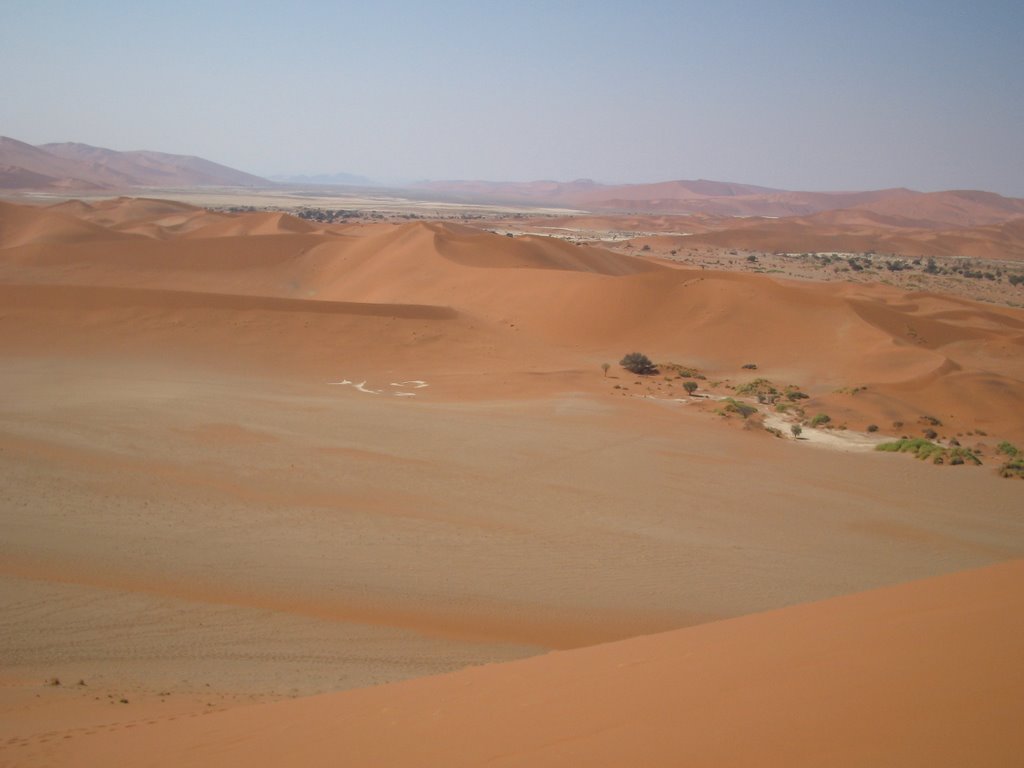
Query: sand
column 926, row 673
column 197, row 514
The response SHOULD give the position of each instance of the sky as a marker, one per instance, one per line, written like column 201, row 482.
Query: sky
column 795, row 95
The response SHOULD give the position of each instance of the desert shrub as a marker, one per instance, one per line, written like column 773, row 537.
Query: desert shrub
column 796, row 429
column 925, row 450
column 931, row 434
column 690, row 387
column 750, row 366
column 757, row 387
column 921, row 448
column 963, row 456
column 774, row 431
column 684, row 371
column 872, row 427
column 795, row 394
column 931, row 420
column 742, row 409
column 1013, row 467
column 1008, row 449
column 638, row 363
column 821, row 418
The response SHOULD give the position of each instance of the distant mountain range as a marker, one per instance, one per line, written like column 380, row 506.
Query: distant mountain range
column 327, row 180
column 716, row 198
column 81, row 168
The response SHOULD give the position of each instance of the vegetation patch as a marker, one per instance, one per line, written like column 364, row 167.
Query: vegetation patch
column 757, row 387
column 684, row 371
column 732, row 406
column 927, row 450
column 638, row 363
column 1014, row 464
column 850, row 390
column 820, row 419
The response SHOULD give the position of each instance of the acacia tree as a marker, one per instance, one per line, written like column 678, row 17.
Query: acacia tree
column 690, row 387
column 638, row 363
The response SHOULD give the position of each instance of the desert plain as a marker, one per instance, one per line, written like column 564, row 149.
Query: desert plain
column 363, row 493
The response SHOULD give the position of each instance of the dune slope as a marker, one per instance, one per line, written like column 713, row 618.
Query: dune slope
column 926, row 673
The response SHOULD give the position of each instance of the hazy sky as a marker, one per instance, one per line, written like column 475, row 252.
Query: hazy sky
column 800, row 95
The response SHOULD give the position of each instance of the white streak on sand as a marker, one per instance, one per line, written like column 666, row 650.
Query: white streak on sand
column 361, row 386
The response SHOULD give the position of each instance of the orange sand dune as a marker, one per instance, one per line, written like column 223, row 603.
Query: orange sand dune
column 26, row 225
column 926, row 673
column 256, row 334
column 270, row 223
column 529, row 301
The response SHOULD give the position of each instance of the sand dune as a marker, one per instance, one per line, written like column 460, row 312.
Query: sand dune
column 924, row 673
column 549, row 300
column 246, row 458
column 25, row 225
column 254, row 224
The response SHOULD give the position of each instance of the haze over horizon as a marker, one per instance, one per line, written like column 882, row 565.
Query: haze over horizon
column 793, row 95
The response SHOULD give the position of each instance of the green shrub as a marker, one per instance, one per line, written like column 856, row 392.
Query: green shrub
column 757, row 387
column 925, row 449
column 821, row 418
column 734, row 406
column 1013, row 468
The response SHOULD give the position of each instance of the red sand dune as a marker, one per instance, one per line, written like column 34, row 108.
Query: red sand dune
column 925, row 673
column 547, row 300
